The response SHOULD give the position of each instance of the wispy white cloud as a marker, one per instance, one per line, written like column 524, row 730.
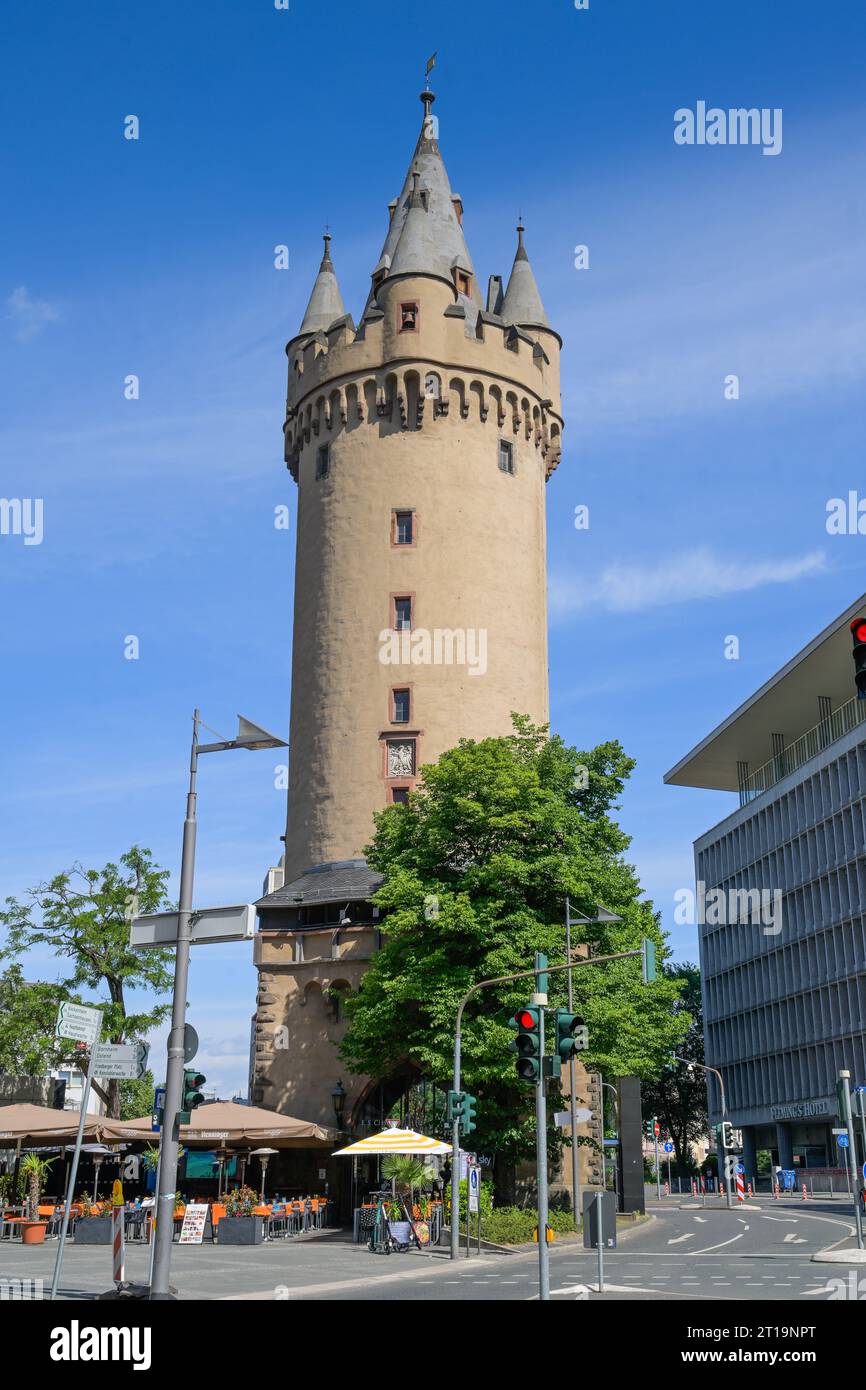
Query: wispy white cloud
column 28, row 315
column 694, row 574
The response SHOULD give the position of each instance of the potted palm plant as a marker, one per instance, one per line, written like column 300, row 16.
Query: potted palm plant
column 406, row 1173
column 239, row 1226
column 34, row 1171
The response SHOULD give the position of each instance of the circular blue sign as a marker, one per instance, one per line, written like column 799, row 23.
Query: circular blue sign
column 741, row 1168
column 842, row 1140
column 669, row 1148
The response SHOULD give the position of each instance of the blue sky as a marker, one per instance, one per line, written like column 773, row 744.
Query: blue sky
column 155, row 257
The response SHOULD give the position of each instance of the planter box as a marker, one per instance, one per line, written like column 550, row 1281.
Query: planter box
column 93, row 1230
column 240, row 1230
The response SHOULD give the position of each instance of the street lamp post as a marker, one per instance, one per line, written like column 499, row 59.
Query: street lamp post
column 718, row 1075
column 249, row 736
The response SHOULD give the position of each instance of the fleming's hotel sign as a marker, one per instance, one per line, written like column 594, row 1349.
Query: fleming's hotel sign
column 801, row 1110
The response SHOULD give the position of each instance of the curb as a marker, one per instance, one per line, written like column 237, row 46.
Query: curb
column 834, row 1256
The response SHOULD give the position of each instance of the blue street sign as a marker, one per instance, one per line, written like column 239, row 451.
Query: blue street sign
column 842, row 1140
column 741, row 1168
column 158, row 1106
column 669, row 1148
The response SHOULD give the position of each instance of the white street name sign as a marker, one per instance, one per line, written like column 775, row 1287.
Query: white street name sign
column 78, row 1022
column 120, row 1061
column 209, row 925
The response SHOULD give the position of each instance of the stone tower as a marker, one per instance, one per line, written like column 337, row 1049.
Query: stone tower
column 421, row 441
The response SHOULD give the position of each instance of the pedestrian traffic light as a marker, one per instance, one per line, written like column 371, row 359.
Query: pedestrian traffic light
column 191, row 1097
column 527, row 1044
column 467, row 1123
column 650, row 1128
column 571, row 1034
column 858, row 636
column 648, row 960
column 454, row 1106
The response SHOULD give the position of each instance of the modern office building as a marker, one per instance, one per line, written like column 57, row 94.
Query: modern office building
column 781, row 902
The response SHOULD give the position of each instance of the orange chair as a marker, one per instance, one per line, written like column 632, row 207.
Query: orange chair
column 217, row 1212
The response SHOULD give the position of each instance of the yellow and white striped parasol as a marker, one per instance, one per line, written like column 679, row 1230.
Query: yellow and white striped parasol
column 396, row 1141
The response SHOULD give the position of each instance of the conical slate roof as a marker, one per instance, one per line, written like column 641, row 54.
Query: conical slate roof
column 326, row 302
column 522, row 303
column 424, row 235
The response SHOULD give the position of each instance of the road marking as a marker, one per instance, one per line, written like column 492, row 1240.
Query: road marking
column 702, row 1219
column 794, row 1239
column 677, row 1240
column 788, row 1220
column 707, row 1248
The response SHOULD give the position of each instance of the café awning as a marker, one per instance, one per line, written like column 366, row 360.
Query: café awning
column 226, row 1122
column 40, row 1125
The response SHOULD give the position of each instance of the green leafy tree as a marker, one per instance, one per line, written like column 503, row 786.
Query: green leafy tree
column 82, row 916
column 679, row 1096
column 27, row 1015
column 136, row 1097
column 476, row 869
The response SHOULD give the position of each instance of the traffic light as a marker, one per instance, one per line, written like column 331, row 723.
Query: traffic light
column 527, row 1044
column 571, row 1035
column 460, row 1106
column 648, row 960
column 454, row 1106
column 858, row 636
column 727, row 1135
column 649, row 1129
column 467, row 1124
column 191, row 1097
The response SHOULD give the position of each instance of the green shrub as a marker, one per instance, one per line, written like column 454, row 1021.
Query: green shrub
column 515, row 1225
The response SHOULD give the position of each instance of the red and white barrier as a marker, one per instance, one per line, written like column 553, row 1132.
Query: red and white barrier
column 118, row 1251
column 741, row 1188
column 748, row 1189
column 694, row 1188
column 667, row 1188
column 805, row 1194
column 776, row 1191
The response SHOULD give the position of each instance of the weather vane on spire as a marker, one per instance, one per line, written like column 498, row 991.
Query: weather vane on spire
column 431, row 63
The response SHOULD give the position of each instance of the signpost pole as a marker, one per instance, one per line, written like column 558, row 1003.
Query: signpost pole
column 599, row 1235
column 844, row 1092
column 658, row 1161
column 165, row 1193
column 76, row 1154
column 541, row 1159
column 572, row 1086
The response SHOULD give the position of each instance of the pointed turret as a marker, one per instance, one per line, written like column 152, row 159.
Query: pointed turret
column 522, row 303
column 326, row 302
column 425, row 235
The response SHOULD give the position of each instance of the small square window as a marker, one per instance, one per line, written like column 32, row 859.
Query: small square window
column 402, row 700
column 404, row 532
column 408, row 317
column 323, row 461
column 462, row 282
column 400, row 796
column 402, row 614
column 506, row 456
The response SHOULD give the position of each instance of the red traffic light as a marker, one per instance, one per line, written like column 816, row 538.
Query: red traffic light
column 858, row 629
column 525, row 1018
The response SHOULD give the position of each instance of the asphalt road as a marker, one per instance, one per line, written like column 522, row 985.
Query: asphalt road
column 759, row 1252
column 762, row 1252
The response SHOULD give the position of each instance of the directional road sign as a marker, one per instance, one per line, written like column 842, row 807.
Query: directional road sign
column 669, row 1148
column 78, row 1022
column 842, row 1140
column 120, row 1061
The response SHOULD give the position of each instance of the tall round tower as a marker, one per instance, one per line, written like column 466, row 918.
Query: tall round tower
column 420, row 442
